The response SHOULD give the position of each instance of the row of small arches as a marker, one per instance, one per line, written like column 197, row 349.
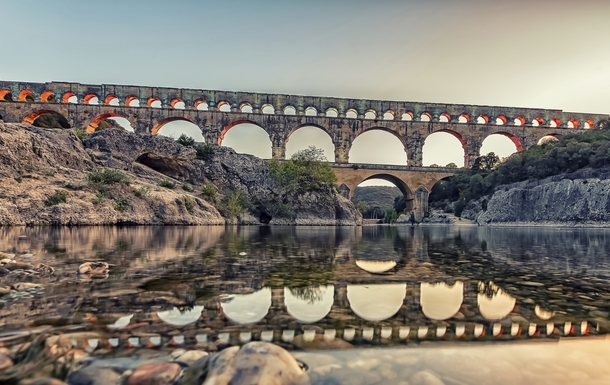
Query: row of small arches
column 352, row 113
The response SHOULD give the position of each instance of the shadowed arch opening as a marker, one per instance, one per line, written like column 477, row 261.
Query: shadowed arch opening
column 201, row 105
column 389, row 115
column 370, row 114
column 444, row 147
column 311, row 111
column 46, row 119
column 246, row 137
column 378, row 145
column 108, row 120
column 6, row 95
column 444, row 118
column 351, row 114
column 332, row 113
column 310, row 135
column 223, row 106
column 407, row 116
column 290, row 110
column 177, row 104
column 154, row 103
column 174, row 127
column 464, row 118
column 245, row 108
column 267, row 109
column 425, row 117
column 111, row 100
column 502, row 144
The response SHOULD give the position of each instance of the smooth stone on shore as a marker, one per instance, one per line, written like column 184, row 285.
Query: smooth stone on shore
column 94, row 376
column 46, row 381
column 320, row 343
column 189, row 357
column 5, row 362
column 155, row 373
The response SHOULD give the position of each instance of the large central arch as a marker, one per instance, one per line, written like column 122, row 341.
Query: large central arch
column 310, row 129
column 92, row 127
column 395, row 153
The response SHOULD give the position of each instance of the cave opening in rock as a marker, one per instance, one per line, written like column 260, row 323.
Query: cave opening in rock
column 160, row 165
column 265, row 218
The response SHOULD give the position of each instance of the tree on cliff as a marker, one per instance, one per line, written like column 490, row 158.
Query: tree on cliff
column 305, row 171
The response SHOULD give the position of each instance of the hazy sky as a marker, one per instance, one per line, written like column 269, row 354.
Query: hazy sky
column 530, row 53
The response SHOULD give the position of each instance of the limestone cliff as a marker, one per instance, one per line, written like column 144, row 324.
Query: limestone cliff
column 578, row 199
column 36, row 163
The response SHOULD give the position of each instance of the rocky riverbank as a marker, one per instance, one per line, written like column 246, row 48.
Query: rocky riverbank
column 580, row 199
column 47, row 179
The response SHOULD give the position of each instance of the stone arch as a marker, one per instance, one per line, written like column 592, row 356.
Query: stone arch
column 245, row 108
column 455, row 134
column 554, row 123
column 47, row 96
column 110, row 98
column 389, row 115
column 407, row 116
column 92, row 127
column 201, row 105
column 30, row 118
column 537, row 121
column 425, row 117
column 370, row 114
column 520, row 121
column 155, row 129
column 444, row 118
column 589, row 124
column 267, row 109
column 332, row 112
column 396, row 134
column 67, row 97
column 482, row 119
column 351, row 113
column 290, row 110
column 223, row 106
column 26, row 95
column 6, row 95
column 177, row 103
column 572, row 123
column 89, row 97
column 252, row 147
column 501, row 120
column 131, row 99
column 516, row 141
column 311, row 111
column 154, row 102
column 464, row 118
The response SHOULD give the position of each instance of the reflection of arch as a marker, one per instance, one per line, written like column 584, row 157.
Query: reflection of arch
column 160, row 124
column 441, row 301
column 496, row 306
column 248, row 308
column 375, row 267
column 512, row 138
column 180, row 318
column 309, row 304
column 376, row 302
column 92, row 127
column 236, row 123
column 36, row 114
column 544, row 315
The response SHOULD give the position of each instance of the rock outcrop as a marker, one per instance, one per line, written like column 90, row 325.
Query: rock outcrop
column 578, row 199
column 37, row 163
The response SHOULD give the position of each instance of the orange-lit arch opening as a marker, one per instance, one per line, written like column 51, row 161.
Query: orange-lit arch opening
column 150, row 101
column 67, row 96
column 464, row 118
column 444, row 118
column 109, row 99
column 174, row 102
column 36, row 114
column 425, row 117
column 519, row 121
column 46, row 96
column 501, row 119
column 538, row 121
column 158, row 126
column 130, row 99
column 89, row 97
column 554, row 122
column 92, row 127
column 24, row 94
column 6, row 95
column 589, row 124
column 573, row 123
column 483, row 119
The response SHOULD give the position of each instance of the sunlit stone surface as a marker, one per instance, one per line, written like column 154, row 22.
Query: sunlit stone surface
column 376, row 302
column 121, row 322
column 498, row 306
column 440, row 301
column 180, row 318
column 376, row 266
column 248, row 308
column 309, row 304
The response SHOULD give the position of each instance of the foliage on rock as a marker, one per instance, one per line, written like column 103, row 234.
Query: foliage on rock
column 307, row 170
column 107, row 176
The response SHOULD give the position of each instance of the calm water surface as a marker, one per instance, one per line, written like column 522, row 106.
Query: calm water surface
column 369, row 305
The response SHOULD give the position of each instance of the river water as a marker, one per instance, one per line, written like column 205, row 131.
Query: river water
column 366, row 305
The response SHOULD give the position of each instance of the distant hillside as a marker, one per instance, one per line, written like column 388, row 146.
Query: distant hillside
column 377, row 198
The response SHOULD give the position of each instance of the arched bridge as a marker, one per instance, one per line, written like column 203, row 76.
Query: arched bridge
column 216, row 112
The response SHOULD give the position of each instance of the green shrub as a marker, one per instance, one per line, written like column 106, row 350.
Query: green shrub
column 235, row 204
column 275, row 208
column 167, row 184
column 100, row 196
column 307, row 170
column 60, row 196
column 121, row 204
column 142, row 192
column 210, row 193
column 185, row 140
column 107, row 176
column 187, row 187
column 205, row 151
column 80, row 134
column 189, row 203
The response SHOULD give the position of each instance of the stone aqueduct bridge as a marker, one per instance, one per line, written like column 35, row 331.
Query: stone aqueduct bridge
column 216, row 112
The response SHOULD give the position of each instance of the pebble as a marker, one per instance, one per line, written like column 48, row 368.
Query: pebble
column 425, row 378
column 22, row 286
column 93, row 268
column 5, row 362
column 156, row 373
column 94, row 376
column 189, row 357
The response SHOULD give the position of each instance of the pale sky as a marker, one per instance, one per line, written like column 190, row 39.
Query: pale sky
column 525, row 53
